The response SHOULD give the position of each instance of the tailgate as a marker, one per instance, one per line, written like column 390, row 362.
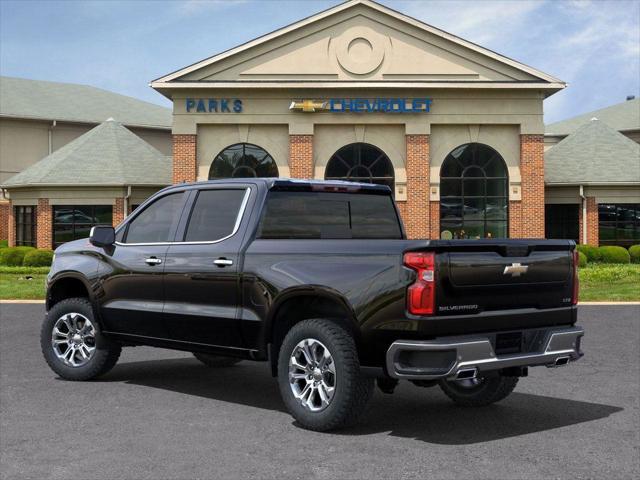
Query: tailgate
column 475, row 277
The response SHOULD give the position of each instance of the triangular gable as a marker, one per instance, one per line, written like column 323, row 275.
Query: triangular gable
column 361, row 41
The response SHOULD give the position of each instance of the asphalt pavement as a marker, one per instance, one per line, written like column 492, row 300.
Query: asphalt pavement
column 160, row 414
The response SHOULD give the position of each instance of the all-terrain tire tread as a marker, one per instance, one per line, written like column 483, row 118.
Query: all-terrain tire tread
column 496, row 389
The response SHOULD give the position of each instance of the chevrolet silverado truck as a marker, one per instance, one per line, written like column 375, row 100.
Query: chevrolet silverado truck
column 318, row 279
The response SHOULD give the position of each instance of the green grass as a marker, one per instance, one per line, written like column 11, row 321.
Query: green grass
column 598, row 282
column 609, row 283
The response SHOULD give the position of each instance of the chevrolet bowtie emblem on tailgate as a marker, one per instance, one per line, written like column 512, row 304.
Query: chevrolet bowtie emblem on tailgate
column 515, row 269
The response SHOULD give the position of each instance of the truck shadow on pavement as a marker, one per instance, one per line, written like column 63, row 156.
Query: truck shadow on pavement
column 411, row 412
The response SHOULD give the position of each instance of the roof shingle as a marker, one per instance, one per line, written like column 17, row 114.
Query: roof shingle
column 594, row 154
column 621, row 116
column 70, row 102
column 107, row 155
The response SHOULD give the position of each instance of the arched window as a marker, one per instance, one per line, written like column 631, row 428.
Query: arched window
column 360, row 162
column 243, row 160
column 474, row 193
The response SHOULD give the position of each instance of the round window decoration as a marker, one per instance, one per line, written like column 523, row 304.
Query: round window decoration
column 361, row 162
column 243, row 160
column 360, row 51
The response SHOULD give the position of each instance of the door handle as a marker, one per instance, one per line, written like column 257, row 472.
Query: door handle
column 153, row 261
column 223, row 262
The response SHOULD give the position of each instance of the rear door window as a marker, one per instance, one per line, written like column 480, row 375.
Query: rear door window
column 329, row 216
column 215, row 215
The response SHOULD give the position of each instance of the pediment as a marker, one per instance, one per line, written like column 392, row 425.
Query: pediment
column 358, row 41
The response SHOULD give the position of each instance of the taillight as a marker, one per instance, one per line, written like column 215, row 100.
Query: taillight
column 421, row 296
column 576, row 281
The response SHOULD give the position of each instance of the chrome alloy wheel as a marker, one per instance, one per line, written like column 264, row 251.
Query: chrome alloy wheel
column 73, row 339
column 312, row 374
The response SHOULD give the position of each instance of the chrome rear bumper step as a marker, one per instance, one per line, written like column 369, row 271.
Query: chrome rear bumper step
column 470, row 356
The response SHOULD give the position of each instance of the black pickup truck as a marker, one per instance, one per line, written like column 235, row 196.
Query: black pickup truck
column 318, row 279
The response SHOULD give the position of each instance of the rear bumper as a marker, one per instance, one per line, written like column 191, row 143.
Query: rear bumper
column 468, row 356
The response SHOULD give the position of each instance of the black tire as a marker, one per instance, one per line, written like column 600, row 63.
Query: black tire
column 104, row 356
column 352, row 390
column 216, row 361
column 489, row 390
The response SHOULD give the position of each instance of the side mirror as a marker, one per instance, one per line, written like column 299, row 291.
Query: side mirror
column 102, row 236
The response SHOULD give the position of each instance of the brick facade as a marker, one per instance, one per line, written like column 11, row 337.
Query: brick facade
column 301, row 156
column 532, row 189
column 11, row 226
column 5, row 208
column 185, row 162
column 44, row 224
column 434, row 217
column 118, row 211
column 417, row 223
column 593, row 230
column 515, row 219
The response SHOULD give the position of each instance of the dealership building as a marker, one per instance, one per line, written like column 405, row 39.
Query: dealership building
column 364, row 93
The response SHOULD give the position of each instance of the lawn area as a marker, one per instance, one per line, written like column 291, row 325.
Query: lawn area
column 22, row 283
column 598, row 282
column 609, row 283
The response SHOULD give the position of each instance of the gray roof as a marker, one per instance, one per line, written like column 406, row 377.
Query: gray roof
column 107, row 155
column 593, row 154
column 621, row 116
column 71, row 102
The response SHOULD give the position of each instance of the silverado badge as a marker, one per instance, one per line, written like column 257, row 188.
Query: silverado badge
column 515, row 269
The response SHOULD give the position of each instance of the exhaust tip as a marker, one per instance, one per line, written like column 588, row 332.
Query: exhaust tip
column 562, row 361
column 466, row 373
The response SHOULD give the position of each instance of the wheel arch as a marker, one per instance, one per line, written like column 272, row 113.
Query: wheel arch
column 69, row 285
column 302, row 303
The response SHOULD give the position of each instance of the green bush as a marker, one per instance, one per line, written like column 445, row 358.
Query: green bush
column 592, row 253
column 38, row 258
column 4, row 243
column 582, row 260
column 611, row 254
column 634, row 253
column 13, row 256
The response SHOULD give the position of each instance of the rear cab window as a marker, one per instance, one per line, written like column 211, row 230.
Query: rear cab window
column 216, row 214
column 329, row 215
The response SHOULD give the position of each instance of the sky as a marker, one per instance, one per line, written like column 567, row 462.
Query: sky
column 593, row 45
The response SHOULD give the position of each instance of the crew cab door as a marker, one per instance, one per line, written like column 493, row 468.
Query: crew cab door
column 132, row 297
column 202, row 268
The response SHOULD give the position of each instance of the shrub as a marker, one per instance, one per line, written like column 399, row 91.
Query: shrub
column 611, row 254
column 634, row 253
column 38, row 258
column 592, row 253
column 4, row 243
column 13, row 256
column 582, row 260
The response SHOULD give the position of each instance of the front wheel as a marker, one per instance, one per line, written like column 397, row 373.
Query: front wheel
column 480, row 391
column 319, row 376
column 72, row 344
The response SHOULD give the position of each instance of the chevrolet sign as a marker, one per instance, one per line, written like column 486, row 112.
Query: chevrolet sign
column 363, row 105
column 515, row 269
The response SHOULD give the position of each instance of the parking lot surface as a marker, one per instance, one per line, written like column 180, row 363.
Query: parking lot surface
column 161, row 414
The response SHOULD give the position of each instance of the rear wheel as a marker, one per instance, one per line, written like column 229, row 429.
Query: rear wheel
column 72, row 344
column 319, row 376
column 216, row 361
column 480, row 391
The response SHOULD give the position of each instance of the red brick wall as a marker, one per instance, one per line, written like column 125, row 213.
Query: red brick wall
column 301, row 156
column 5, row 208
column 185, row 164
column 515, row 219
column 593, row 227
column 417, row 223
column 118, row 211
column 435, row 220
column 44, row 234
column 402, row 208
column 11, row 226
column 531, row 221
